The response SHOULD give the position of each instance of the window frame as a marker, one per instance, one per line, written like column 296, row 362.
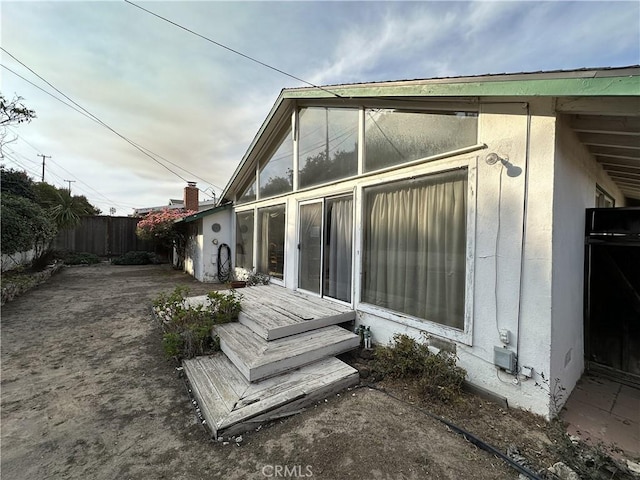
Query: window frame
column 256, row 243
column 464, row 336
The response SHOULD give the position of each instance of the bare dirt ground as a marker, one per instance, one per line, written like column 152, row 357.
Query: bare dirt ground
column 87, row 393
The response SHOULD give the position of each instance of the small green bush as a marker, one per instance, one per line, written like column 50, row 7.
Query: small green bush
column 225, row 306
column 136, row 258
column 81, row 258
column 187, row 329
column 436, row 375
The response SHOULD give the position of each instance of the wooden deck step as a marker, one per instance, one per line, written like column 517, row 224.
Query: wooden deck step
column 257, row 358
column 275, row 312
column 231, row 404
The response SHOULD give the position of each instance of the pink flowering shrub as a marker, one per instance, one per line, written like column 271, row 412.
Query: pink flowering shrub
column 160, row 226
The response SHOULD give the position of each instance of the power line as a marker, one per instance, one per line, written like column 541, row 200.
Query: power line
column 96, row 120
column 232, row 50
column 94, row 116
column 90, row 187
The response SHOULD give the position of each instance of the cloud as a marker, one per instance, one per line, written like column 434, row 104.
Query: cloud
column 200, row 105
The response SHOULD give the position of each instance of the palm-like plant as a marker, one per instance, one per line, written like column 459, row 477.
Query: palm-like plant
column 66, row 211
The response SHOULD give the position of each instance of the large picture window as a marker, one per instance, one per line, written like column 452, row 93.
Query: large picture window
column 271, row 232
column 276, row 176
column 414, row 247
column 328, row 146
column 394, row 137
column 244, row 240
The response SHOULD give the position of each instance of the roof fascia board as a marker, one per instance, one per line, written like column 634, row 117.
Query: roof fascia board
column 239, row 169
column 553, row 87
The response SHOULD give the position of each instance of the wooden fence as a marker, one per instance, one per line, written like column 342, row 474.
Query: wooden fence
column 103, row 235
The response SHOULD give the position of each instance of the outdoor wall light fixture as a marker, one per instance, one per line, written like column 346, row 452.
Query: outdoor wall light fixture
column 512, row 170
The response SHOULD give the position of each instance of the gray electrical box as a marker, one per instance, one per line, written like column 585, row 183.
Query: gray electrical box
column 505, row 359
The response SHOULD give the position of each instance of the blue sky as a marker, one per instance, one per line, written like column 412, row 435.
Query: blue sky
column 199, row 106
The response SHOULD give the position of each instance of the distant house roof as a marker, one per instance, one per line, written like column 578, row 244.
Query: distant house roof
column 586, row 82
column 173, row 205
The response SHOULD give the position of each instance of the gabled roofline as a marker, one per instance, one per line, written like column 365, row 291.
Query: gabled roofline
column 611, row 81
column 202, row 214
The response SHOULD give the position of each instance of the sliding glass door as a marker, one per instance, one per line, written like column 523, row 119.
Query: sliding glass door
column 325, row 247
column 310, row 247
column 338, row 248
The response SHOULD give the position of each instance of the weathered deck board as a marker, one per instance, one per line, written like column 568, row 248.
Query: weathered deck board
column 275, row 312
column 258, row 358
column 248, row 404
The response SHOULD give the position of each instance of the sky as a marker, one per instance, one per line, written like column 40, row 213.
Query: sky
column 197, row 106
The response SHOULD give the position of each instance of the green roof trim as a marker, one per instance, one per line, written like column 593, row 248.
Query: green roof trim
column 596, row 86
column 204, row 213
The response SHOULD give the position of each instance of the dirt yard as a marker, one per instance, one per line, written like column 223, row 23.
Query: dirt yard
column 87, row 393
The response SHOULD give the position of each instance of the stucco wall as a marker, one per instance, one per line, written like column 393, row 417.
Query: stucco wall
column 14, row 260
column 522, row 298
column 211, row 242
column 575, row 179
column 202, row 249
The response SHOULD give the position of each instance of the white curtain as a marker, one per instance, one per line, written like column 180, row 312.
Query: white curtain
column 338, row 248
column 310, row 247
column 414, row 252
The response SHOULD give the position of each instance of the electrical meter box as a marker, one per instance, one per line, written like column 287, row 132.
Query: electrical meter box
column 505, row 359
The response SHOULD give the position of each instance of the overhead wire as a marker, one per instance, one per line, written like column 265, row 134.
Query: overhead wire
column 132, row 143
column 51, row 161
column 244, row 55
column 96, row 120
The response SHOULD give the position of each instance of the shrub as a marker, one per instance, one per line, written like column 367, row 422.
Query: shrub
column 187, row 329
column 25, row 225
column 225, row 306
column 81, row 258
column 136, row 258
column 436, row 375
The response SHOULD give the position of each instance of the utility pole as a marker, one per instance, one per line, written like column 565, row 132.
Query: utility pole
column 43, row 159
column 70, row 182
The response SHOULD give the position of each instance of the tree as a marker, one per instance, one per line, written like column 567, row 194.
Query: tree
column 66, row 211
column 65, row 208
column 25, row 225
column 17, row 183
column 12, row 112
column 161, row 227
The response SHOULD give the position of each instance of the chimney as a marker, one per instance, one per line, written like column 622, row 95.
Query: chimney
column 191, row 196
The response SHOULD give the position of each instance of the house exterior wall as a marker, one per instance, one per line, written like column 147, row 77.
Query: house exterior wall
column 192, row 260
column 509, row 251
column 211, row 241
column 201, row 258
column 575, row 178
column 525, row 229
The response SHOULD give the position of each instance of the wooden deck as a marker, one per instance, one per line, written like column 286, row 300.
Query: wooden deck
column 230, row 404
column 275, row 361
column 258, row 358
column 275, row 312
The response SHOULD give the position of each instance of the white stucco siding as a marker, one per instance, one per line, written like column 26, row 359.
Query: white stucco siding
column 575, row 179
column 512, row 287
column 211, row 241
